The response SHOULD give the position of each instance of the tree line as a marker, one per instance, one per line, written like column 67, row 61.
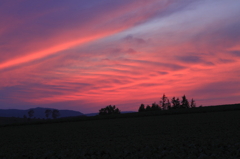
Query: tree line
column 164, row 104
column 48, row 112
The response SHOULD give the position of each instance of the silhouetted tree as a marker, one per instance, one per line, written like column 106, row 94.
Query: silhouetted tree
column 102, row 111
column 176, row 103
column 193, row 103
column 109, row 110
column 163, row 102
column 148, row 108
column 155, row 107
column 117, row 111
column 55, row 113
column 30, row 113
column 185, row 103
column 169, row 106
column 48, row 112
column 141, row 108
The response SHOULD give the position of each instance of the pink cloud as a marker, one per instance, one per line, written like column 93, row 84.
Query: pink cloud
column 105, row 59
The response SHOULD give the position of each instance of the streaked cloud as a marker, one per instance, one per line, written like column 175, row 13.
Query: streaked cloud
column 84, row 55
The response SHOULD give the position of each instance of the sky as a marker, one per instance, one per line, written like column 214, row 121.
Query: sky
column 84, row 55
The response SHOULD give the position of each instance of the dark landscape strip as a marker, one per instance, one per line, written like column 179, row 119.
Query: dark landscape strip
column 206, row 109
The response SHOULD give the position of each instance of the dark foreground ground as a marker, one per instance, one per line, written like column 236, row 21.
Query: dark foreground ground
column 198, row 135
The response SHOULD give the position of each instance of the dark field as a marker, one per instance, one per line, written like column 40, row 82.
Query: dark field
column 198, row 135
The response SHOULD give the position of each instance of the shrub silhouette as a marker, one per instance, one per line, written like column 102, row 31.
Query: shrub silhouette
column 109, row 110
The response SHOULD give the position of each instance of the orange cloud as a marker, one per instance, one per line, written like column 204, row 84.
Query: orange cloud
column 53, row 50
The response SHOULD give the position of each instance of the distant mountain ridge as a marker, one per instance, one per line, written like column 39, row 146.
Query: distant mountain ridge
column 38, row 113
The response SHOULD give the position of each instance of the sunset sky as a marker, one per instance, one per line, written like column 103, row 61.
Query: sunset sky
column 86, row 54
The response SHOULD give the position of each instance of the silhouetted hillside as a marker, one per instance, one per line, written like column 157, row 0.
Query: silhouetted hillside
column 38, row 113
column 198, row 135
column 123, row 112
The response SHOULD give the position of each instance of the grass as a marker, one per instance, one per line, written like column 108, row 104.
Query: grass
column 194, row 135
